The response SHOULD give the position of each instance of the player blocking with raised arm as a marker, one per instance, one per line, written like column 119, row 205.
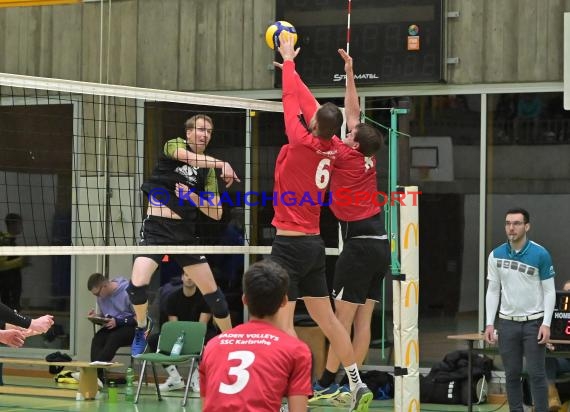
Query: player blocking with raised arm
column 303, row 167
column 254, row 365
column 364, row 259
column 172, row 221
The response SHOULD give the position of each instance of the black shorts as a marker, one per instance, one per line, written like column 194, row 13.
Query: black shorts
column 359, row 270
column 156, row 230
column 303, row 257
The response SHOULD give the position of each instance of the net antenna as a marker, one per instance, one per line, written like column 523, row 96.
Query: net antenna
column 349, row 9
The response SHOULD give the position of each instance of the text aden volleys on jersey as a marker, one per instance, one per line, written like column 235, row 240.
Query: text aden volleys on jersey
column 342, row 197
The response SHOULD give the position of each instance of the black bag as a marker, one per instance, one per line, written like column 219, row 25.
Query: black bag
column 380, row 383
column 447, row 381
column 440, row 392
column 57, row 357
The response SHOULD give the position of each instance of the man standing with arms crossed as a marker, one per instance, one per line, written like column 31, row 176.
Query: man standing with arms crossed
column 521, row 274
column 303, row 167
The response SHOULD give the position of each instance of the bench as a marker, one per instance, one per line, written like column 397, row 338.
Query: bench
column 87, row 379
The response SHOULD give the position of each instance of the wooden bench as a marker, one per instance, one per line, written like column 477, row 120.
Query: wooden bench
column 88, row 387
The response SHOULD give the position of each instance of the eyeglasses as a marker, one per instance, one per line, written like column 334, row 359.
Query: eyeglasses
column 517, row 223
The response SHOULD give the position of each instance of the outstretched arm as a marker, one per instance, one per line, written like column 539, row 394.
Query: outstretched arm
column 307, row 101
column 351, row 103
column 293, row 128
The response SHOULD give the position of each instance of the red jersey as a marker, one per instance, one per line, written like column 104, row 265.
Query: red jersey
column 354, row 186
column 303, row 167
column 252, row 367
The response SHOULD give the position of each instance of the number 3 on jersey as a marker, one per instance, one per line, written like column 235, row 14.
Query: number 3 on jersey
column 246, row 358
column 323, row 174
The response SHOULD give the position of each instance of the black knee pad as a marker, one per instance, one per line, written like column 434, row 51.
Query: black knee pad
column 137, row 294
column 217, row 303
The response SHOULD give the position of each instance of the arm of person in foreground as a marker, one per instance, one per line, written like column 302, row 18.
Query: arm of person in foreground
column 12, row 337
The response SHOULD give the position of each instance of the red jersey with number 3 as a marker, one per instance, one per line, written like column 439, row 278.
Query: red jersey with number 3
column 252, row 367
column 303, row 167
column 353, row 186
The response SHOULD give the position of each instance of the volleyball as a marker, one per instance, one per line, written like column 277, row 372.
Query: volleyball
column 273, row 32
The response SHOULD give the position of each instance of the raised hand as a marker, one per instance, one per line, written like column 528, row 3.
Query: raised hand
column 287, row 46
column 347, row 61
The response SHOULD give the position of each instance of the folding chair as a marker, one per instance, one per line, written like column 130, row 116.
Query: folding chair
column 194, row 333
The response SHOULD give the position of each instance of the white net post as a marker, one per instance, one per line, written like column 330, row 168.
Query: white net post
column 405, row 305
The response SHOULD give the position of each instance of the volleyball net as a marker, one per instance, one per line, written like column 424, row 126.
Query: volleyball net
column 75, row 154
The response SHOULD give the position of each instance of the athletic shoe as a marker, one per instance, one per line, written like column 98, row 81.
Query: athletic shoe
column 342, row 398
column 195, row 381
column 361, row 398
column 139, row 342
column 320, row 392
column 171, row 384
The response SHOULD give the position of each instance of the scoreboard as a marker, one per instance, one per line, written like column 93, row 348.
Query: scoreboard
column 391, row 41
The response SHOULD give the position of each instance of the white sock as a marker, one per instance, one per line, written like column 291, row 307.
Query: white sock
column 353, row 375
column 173, row 372
column 141, row 324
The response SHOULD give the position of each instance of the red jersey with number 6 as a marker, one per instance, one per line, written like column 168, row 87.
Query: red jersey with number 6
column 252, row 367
column 303, row 167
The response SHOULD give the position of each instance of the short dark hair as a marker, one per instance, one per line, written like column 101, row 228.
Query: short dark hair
column 369, row 139
column 265, row 284
column 95, row 280
column 329, row 120
column 516, row 210
column 12, row 218
column 191, row 122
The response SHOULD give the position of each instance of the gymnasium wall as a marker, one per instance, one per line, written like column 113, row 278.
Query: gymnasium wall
column 201, row 45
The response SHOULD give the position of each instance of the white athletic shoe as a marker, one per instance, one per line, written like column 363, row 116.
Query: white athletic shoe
column 171, row 385
column 195, row 381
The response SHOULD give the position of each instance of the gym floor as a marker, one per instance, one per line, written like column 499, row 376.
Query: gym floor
column 171, row 402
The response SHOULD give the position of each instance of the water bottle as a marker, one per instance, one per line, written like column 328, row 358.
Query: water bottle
column 130, row 389
column 112, row 392
column 177, row 347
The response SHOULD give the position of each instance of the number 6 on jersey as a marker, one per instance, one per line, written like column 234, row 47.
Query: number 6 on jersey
column 323, row 174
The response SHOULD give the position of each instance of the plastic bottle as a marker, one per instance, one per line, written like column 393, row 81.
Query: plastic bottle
column 130, row 388
column 177, row 347
column 112, row 392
